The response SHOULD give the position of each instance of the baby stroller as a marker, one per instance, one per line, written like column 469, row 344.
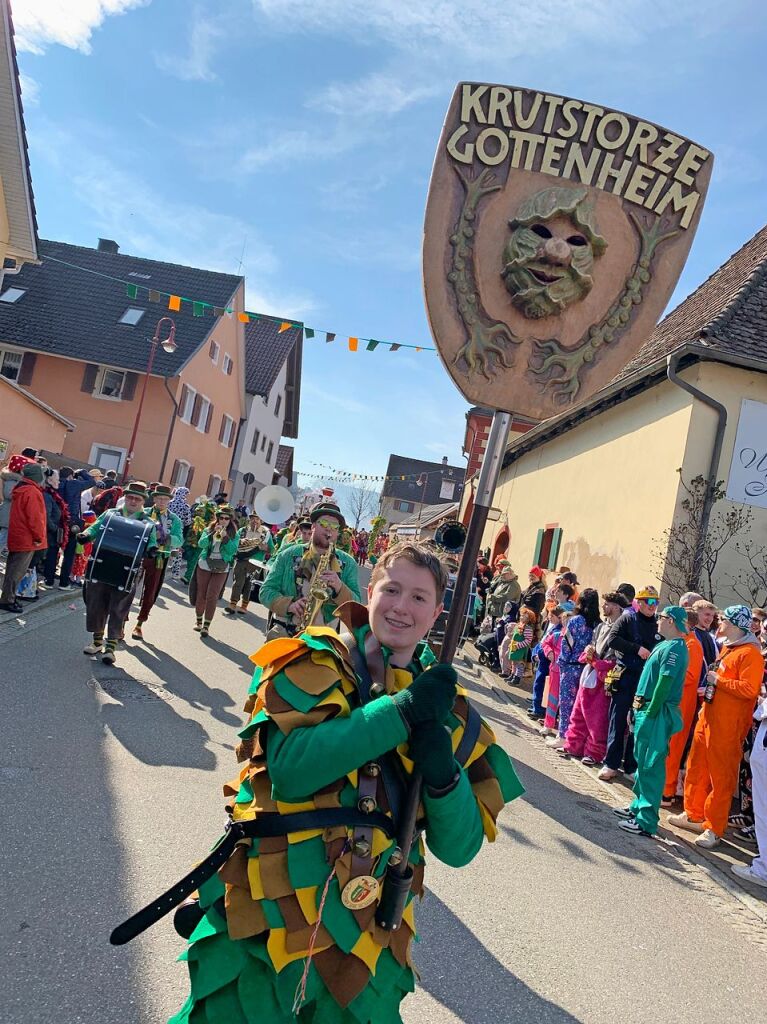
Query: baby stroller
column 487, row 645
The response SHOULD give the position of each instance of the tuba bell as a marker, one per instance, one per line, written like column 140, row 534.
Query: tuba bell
column 274, row 505
column 451, row 537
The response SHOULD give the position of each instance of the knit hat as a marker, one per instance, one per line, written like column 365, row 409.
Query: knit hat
column 678, row 615
column 536, row 571
column 647, row 594
column 33, row 471
column 739, row 615
column 136, row 488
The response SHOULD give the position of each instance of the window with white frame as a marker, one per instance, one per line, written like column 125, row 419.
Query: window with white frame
column 227, row 364
column 105, row 457
column 188, row 404
column 204, row 410
column 227, row 431
column 254, row 442
column 215, row 486
column 214, row 352
column 131, row 316
column 10, row 363
column 181, row 476
column 12, row 294
column 277, row 405
column 109, row 383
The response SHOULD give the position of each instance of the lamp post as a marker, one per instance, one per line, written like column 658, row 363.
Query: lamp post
column 168, row 345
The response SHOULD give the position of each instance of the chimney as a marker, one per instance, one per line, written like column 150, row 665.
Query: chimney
column 444, row 460
column 107, row 245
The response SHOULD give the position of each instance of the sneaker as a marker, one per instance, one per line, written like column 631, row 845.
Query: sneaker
column 707, row 840
column 229, row 610
column 556, row 742
column 608, row 774
column 745, row 872
column 12, row 606
column 198, row 626
column 630, row 825
column 667, row 801
column 242, row 611
column 546, row 731
column 590, row 762
column 747, row 834
column 682, row 821
column 630, row 776
column 624, row 812
column 92, row 649
column 66, row 586
column 108, row 657
column 136, row 634
column 203, row 632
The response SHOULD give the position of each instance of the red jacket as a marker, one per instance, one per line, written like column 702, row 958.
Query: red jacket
column 26, row 528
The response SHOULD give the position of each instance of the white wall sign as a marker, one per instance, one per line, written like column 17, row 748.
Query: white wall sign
column 447, row 490
column 747, row 482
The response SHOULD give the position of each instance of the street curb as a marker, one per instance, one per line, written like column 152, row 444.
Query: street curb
column 36, row 607
column 666, row 834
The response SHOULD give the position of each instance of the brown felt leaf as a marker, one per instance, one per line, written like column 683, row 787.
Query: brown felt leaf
column 489, row 792
column 244, row 916
column 235, row 870
column 344, row 975
column 275, row 877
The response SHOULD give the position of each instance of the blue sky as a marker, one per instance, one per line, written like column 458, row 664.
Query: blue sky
column 292, row 140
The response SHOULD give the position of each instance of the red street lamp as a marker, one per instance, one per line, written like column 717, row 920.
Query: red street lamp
column 168, row 345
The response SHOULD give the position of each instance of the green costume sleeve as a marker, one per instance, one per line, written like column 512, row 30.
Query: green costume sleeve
column 309, row 758
column 454, row 830
column 176, row 532
column 668, row 672
column 279, row 585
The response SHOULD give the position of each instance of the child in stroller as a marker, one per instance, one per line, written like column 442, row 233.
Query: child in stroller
column 491, row 635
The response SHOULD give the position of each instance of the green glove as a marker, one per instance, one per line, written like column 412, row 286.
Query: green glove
column 429, row 697
column 432, row 750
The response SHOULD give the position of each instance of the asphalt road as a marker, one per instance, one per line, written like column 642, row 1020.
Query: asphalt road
column 112, row 789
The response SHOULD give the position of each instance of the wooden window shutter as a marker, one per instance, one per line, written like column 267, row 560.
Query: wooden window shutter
column 90, row 374
column 189, row 476
column 196, row 410
column 232, row 433
column 555, row 545
column 209, row 489
column 538, row 545
column 27, row 368
column 210, row 417
column 184, row 397
column 222, row 431
column 229, row 366
column 174, row 474
column 212, row 349
column 129, row 387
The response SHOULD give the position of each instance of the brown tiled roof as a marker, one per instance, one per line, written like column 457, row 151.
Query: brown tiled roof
column 728, row 312
column 284, row 459
column 266, row 349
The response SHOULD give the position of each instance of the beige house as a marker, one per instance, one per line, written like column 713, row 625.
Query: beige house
column 597, row 487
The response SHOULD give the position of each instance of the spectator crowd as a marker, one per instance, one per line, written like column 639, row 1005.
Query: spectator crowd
column 672, row 699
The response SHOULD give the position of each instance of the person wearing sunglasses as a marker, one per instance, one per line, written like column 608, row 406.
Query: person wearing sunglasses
column 285, row 591
column 218, row 546
column 631, row 640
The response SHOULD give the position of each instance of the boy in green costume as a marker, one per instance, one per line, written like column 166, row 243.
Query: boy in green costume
column 657, row 718
column 291, row 922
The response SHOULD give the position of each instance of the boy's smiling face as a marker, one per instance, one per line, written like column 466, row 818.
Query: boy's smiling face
column 403, row 606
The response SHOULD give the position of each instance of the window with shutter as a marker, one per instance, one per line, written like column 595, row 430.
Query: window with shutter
column 189, row 477
column 196, row 407
column 183, row 401
column 269, row 451
column 254, row 443
column 232, row 434
column 174, row 477
column 277, row 405
column 209, row 491
column 89, row 377
column 27, row 368
column 129, row 388
column 222, row 430
column 210, row 417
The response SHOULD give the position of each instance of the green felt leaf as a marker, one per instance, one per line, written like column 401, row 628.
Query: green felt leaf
column 256, row 680
column 298, row 699
column 339, row 921
column 503, row 770
column 219, row 963
column 253, row 725
column 272, row 914
column 245, row 792
column 306, row 863
column 225, row 1005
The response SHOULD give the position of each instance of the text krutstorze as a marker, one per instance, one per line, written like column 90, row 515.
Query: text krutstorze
column 569, row 139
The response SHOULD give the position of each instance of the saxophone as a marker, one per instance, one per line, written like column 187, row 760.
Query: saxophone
column 319, row 591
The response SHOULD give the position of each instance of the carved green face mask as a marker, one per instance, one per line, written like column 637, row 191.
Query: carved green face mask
column 549, row 257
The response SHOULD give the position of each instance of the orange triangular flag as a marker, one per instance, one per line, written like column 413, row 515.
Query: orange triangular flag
column 353, row 344
column 284, row 326
column 243, row 318
column 174, row 302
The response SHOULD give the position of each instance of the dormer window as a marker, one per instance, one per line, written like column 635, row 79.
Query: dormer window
column 12, row 294
column 131, row 316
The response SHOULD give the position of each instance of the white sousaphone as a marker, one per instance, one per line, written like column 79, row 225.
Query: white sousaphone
column 274, row 504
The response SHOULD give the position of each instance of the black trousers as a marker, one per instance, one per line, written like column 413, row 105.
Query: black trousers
column 620, row 742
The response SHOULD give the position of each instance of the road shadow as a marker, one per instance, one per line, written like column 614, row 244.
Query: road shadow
column 238, row 657
column 183, row 683
column 145, row 723
column 463, row 975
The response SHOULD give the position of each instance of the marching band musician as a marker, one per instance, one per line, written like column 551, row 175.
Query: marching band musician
column 286, row 588
column 298, row 922
column 106, row 605
column 256, row 547
column 169, row 534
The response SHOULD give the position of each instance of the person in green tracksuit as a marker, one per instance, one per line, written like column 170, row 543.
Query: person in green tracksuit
column 656, row 718
column 285, row 591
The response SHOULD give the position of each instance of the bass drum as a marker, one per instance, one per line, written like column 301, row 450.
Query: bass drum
column 118, row 551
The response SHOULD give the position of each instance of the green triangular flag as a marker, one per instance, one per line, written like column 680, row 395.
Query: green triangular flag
column 131, row 290
column 198, row 309
column 308, row 332
column 371, row 345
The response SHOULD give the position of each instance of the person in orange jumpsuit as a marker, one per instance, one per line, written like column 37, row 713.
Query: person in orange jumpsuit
column 717, row 745
column 688, row 708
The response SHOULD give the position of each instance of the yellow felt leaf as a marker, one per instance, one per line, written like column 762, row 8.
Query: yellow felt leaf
column 307, row 899
column 280, row 957
column 367, row 951
column 488, row 825
column 293, row 808
column 254, row 878
column 301, row 837
column 408, row 916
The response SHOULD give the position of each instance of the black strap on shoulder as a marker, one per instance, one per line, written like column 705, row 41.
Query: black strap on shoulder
column 470, row 735
column 264, row 826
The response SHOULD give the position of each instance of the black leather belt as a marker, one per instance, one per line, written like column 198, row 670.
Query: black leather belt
column 266, row 825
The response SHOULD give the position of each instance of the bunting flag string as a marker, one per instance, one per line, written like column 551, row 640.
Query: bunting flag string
column 201, row 308
column 347, row 476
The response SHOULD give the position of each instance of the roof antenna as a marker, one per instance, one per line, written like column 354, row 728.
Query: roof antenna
column 242, row 255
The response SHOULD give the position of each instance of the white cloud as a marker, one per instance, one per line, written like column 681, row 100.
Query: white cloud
column 42, row 23
column 30, row 90
column 204, row 37
column 374, row 95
